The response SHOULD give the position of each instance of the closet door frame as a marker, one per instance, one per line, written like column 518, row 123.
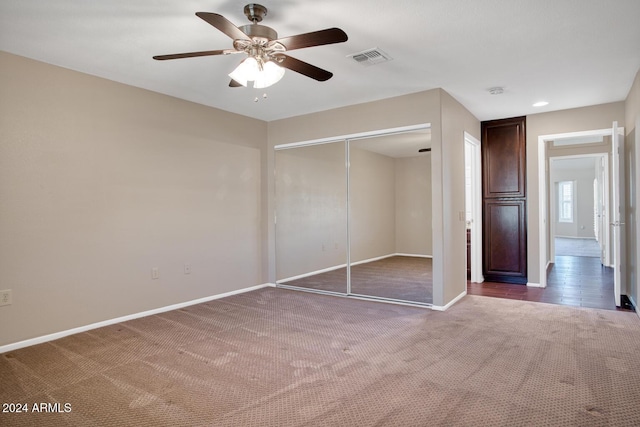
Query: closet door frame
column 346, row 139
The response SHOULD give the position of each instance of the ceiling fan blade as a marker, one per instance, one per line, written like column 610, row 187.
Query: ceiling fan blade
column 305, row 68
column 316, row 38
column 224, row 25
column 194, row 54
column 234, row 83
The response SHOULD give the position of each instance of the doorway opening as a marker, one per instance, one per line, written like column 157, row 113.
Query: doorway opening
column 473, row 207
column 580, row 272
column 579, row 206
column 553, row 200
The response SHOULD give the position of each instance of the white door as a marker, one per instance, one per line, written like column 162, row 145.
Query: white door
column 618, row 209
column 602, row 224
column 473, row 203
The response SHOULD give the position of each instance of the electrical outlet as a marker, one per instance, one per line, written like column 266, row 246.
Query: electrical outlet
column 187, row 269
column 5, row 297
column 155, row 273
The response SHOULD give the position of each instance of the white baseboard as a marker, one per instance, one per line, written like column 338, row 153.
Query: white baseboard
column 364, row 261
column 534, row 285
column 378, row 258
column 413, row 255
column 453, row 301
column 62, row 334
column 311, row 273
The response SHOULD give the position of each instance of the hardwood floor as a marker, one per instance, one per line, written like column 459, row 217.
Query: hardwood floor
column 572, row 280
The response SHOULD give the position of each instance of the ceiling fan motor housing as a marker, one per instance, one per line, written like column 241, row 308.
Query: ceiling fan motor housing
column 255, row 12
column 259, row 31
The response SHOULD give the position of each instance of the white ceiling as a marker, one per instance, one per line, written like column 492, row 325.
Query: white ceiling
column 570, row 53
column 584, row 162
column 579, row 140
column 405, row 144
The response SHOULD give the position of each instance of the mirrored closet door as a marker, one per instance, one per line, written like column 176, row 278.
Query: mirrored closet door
column 354, row 217
column 311, row 217
column 390, row 217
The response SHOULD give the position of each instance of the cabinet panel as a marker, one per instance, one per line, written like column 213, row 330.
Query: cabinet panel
column 505, row 253
column 503, row 158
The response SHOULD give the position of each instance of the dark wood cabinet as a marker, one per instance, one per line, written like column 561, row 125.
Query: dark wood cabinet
column 504, row 200
column 503, row 158
column 505, row 237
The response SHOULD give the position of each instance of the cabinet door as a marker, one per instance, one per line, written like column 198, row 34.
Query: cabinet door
column 505, row 239
column 503, row 158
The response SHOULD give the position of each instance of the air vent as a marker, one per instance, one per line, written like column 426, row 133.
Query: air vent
column 371, row 57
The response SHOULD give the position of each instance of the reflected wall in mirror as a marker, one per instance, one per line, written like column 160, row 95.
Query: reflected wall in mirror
column 311, row 217
column 390, row 217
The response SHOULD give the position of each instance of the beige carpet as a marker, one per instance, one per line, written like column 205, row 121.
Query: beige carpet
column 283, row 358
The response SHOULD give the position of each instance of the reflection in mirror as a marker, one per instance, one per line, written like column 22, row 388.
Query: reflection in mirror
column 311, row 217
column 390, row 217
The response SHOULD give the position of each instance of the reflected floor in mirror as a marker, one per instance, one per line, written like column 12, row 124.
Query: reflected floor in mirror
column 403, row 278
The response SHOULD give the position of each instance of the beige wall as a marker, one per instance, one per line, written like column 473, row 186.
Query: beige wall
column 100, row 182
column 413, row 205
column 448, row 175
column 632, row 162
column 372, row 191
column 565, row 121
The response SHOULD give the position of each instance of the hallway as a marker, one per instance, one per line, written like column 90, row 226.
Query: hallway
column 573, row 280
column 580, row 281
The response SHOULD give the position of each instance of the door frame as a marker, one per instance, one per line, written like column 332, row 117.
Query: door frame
column 474, row 145
column 543, row 191
column 618, row 213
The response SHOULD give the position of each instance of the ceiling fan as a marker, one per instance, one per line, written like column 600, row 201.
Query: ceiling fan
column 266, row 59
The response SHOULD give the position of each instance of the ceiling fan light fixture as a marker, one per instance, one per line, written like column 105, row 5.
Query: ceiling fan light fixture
column 250, row 70
column 271, row 74
column 245, row 72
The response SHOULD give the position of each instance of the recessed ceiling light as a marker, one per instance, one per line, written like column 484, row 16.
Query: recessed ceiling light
column 540, row 104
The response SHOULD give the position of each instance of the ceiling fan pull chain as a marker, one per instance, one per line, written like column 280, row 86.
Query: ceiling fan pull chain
column 264, row 96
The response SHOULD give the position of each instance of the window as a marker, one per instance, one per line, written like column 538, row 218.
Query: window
column 565, row 201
